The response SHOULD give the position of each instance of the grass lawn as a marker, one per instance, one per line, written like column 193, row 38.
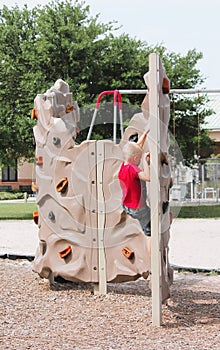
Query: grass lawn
column 17, row 210
column 25, row 211
column 197, row 211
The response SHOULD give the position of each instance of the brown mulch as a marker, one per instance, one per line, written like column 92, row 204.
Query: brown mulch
column 35, row 315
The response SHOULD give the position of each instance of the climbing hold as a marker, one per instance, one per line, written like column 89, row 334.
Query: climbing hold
column 165, row 206
column 166, row 86
column 56, row 140
column 39, row 160
column 128, row 253
column 34, row 113
column 35, row 217
column 51, row 216
column 43, row 247
column 148, row 158
column 65, row 252
column 62, row 185
column 69, row 108
column 164, row 158
column 34, row 187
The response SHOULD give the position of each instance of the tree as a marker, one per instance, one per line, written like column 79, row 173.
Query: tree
column 61, row 40
column 188, row 113
column 18, row 74
column 187, row 123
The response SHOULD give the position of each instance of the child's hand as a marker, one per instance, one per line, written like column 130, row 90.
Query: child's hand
column 142, row 139
column 148, row 158
column 145, row 133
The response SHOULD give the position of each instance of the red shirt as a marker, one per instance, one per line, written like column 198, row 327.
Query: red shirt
column 131, row 186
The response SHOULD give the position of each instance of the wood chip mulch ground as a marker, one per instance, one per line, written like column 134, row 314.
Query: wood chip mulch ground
column 35, row 315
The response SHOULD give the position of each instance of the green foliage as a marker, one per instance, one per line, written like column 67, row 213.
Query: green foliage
column 17, row 73
column 187, row 123
column 9, row 195
column 62, row 40
column 182, row 70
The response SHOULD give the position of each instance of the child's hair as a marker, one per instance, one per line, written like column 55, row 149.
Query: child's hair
column 131, row 149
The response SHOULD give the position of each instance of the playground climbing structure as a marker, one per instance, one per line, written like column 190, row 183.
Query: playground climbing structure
column 84, row 234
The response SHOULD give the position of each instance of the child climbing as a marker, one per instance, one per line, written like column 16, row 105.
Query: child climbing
column 133, row 183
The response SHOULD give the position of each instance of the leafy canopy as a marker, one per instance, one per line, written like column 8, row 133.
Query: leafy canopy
column 62, row 40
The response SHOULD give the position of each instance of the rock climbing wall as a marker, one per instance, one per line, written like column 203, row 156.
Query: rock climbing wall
column 139, row 123
column 75, row 186
column 165, row 181
column 164, row 116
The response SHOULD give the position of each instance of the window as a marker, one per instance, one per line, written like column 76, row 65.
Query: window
column 9, row 174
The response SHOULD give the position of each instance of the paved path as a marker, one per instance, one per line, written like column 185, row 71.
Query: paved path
column 194, row 243
column 18, row 237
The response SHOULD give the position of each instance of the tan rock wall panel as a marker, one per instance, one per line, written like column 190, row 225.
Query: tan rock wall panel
column 68, row 218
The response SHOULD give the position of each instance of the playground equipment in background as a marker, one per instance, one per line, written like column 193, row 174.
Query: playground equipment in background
column 117, row 100
column 84, row 234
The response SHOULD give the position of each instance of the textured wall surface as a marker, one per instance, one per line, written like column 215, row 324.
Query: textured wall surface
column 76, row 184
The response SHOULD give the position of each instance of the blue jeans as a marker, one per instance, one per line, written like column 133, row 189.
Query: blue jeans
column 143, row 215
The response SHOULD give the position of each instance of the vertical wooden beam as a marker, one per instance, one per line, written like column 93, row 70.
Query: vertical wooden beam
column 154, row 107
column 101, row 287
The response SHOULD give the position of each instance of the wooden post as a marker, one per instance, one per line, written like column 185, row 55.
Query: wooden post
column 101, row 287
column 154, row 107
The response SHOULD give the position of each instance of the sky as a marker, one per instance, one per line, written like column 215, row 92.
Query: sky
column 179, row 25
